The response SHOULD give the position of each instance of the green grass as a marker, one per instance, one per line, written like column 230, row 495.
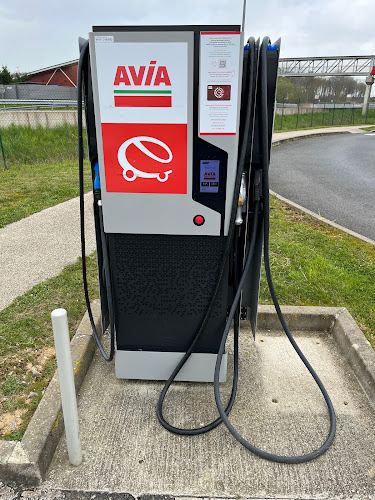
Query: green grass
column 315, row 264
column 318, row 119
column 12, row 385
column 312, row 264
column 42, row 170
column 30, row 146
column 26, row 189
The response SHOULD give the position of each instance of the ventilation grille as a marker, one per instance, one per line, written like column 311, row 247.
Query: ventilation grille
column 168, row 275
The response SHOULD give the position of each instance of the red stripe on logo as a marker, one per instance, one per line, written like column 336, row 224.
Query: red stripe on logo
column 140, row 101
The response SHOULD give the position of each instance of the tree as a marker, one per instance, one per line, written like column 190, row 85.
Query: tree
column 20, row 78
column 336, row 89
column 285, row 90
column 5, row 76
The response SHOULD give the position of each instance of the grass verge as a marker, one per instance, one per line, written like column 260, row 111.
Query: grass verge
column 312, row 264
column 29, row 146
column 329, row 118
column 26, row 189
column 315, row 264
column 42, row 170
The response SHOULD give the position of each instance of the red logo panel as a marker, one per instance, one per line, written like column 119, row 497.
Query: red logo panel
column 145, row 158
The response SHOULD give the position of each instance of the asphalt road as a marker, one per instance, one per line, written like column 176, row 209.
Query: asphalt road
column 333, row 176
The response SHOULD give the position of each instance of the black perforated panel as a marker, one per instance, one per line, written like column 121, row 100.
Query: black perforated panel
column 163, row 285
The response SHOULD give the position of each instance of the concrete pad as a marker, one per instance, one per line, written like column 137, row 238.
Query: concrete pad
column 278, row 408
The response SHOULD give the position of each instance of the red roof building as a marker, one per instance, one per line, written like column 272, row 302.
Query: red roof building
column 64, row 74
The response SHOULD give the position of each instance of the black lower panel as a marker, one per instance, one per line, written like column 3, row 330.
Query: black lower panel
column 162, row 288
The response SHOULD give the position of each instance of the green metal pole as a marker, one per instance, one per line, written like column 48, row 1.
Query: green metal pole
column 3, row 153
column 312, row 114
column 282, row 114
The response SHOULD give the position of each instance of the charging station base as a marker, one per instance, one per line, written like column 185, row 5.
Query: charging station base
column 153, row 365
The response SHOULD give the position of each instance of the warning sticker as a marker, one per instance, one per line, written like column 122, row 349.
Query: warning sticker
column 219, row 74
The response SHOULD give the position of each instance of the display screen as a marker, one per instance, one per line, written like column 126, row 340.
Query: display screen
column 209, row 180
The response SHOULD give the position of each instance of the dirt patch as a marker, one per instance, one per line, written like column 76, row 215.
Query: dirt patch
column 11, row 421
column 41, row 358
column 22, row 384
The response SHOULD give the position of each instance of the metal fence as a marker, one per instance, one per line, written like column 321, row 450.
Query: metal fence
column 290, row 116
column 26, row 104
column 38, row 123
column 37, row 131
column 27, row 91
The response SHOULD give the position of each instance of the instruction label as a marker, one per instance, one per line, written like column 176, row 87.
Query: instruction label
column 219, row 73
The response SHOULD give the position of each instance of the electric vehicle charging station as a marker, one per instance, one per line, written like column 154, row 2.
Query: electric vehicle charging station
column 179, row 124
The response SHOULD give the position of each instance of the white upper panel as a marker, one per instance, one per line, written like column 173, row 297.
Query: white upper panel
column 172, row 63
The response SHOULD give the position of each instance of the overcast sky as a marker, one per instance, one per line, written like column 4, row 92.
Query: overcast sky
column 40, row 33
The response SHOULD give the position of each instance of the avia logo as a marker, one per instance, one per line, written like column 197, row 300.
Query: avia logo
column 155, row 96
column 145, row 157
column 130, row 173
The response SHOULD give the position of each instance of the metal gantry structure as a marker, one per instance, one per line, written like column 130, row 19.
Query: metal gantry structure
column 332, row 66
column 327, row 66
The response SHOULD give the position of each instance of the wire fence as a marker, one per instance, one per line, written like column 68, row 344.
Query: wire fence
column 37, row 131
column 38, row 124
column 45, row 131
column 291, row 116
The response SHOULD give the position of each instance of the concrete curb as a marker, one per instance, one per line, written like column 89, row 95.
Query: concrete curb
column 312, row 134
column 358, row 351
column 338, row 322
column 295, row 135
column 323, row 219
column 278, row 142
column 26, row 462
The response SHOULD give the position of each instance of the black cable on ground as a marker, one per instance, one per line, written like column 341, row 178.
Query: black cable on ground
column 108, row 357
column 265, row 164
column 227, row 249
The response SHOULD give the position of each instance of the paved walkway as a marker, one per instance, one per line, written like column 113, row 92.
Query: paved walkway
column 40, row 246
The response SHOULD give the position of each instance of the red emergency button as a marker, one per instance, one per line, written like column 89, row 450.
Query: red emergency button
column 198, row 220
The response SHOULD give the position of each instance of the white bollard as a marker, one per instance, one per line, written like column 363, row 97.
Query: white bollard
column 67, row 388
